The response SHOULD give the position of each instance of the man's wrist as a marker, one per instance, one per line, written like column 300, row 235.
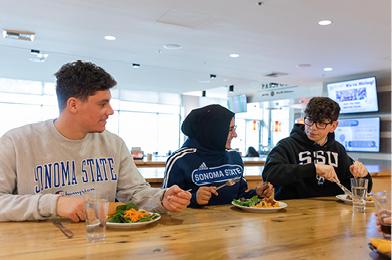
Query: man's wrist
column 162, row 198
column 47, row 205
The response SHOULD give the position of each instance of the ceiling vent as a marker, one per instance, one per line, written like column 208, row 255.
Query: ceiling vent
column 18, row 35
column 276, row 74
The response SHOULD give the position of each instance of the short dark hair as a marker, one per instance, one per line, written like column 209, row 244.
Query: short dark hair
column 80, row 80
column 322, row 108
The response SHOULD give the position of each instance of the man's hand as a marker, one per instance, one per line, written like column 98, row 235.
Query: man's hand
column 383, row 216
column 71, row 207
column 176, row 199
column 326, row 171
column 266, row 190
column 203, row 194
column 358, row 170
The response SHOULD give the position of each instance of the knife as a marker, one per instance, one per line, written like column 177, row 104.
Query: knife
column 68, row 233
column 346, row 191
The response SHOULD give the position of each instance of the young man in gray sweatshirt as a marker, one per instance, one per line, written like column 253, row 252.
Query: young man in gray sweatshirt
column 46, row 167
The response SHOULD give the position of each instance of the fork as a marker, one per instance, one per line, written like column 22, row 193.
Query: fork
column 67, row 232
column 229, row 182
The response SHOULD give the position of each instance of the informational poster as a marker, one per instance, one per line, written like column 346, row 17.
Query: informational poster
column 355, row 96
column 359, row 134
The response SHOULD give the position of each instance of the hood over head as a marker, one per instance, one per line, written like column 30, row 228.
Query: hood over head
column 209, row 125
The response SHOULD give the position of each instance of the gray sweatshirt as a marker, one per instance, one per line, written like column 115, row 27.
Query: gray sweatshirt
column 38, row 164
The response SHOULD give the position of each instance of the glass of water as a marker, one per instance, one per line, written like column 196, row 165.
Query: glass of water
column 96, row 214
column 383, row 212
column 359, row 190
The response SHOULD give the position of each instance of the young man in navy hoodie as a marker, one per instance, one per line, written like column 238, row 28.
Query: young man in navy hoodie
column 205, row 160
column 309, row 162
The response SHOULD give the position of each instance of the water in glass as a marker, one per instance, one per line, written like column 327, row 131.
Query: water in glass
column 96, row 212
column 359, row 198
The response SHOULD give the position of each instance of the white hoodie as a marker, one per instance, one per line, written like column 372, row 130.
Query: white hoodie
column 38, row 164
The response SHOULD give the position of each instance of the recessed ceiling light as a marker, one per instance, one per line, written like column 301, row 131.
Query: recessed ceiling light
column 109, row 37
column 172, row 46
column 234, row 55
column 328, row 69
column 325, row 22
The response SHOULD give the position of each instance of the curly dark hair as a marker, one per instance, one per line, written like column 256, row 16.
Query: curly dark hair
column 80, row 80
column 320, row 109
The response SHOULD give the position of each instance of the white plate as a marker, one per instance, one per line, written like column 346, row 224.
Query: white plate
column 131, row 225
column 282, row 205
column 343, row 197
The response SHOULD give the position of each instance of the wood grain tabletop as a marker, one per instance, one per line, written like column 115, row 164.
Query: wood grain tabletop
column 318, row 228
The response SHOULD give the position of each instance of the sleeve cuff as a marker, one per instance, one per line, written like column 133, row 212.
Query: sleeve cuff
column 47, row 205
column 160, row 208
column 194, row 203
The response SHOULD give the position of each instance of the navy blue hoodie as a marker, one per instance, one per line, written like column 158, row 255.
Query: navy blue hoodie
column 203, row 159
column 290, row 166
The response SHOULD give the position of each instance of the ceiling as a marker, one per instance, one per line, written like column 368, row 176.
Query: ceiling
column 273, row 36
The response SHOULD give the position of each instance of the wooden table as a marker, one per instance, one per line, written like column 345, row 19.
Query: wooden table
column 319, row 228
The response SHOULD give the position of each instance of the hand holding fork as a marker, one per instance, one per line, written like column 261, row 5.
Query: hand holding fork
column 266, row 190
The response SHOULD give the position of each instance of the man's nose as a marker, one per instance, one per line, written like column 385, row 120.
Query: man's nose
column 111, row 111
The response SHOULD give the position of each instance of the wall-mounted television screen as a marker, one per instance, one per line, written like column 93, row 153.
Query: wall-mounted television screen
column 237, row 104
column 355, row 96
column 359, row 134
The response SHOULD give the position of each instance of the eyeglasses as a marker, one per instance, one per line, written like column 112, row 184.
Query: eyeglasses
column 319, row 125
column 233, row 128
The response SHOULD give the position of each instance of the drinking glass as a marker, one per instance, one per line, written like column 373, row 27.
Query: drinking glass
column 359, row 191
column 96, row 214
column 383, row 211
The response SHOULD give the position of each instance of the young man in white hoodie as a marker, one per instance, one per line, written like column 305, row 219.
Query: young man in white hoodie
column 46, row 167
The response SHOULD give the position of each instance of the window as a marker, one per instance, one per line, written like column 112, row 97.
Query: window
column 152, row 126
column 24, row 102
column 262, row 126
column 153, row 132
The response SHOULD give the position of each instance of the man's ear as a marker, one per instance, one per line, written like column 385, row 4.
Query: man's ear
column 72, row 105
column 334, row 126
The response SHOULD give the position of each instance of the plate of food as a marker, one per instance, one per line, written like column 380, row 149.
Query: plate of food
column 256, row 204
column 128, row 216
column 347, row 199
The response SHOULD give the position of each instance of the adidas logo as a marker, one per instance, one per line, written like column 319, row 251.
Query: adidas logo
column 203, row 166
